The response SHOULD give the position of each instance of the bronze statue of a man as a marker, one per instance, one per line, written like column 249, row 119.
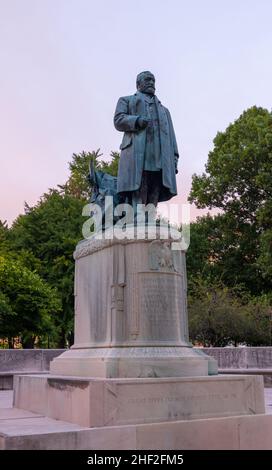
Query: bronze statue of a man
column 149, row 152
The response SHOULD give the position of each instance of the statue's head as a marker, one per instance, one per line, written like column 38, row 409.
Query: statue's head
column 146, row 82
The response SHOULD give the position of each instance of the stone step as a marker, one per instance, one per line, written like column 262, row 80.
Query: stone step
column 28, row 425
column 232, row 433
column 23, row 430
column 39, row 432
column 16, row 413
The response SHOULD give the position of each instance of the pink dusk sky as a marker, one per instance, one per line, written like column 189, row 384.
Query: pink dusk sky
column 64, row 63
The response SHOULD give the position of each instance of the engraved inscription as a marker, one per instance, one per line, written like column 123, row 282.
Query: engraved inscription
column 186, row 398
column 161, row 305
column 183, row 399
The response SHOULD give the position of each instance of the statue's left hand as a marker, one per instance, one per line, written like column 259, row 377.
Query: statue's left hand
column 176, row 163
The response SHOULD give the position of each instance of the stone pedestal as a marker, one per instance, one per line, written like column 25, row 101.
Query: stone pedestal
column 115, row 402
column 131, row 312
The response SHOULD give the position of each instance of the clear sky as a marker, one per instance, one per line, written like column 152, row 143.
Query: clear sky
column 64, row 63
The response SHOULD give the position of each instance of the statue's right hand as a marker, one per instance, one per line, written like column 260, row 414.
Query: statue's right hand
column 142, row 122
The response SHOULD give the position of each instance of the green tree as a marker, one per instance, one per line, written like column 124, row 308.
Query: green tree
column 44, row 238
column 259, row 312
column 78, row 184
column 48, row 234
column 238, row 181
column 110, row 167
column 220, row 316
column 238, row 171
column 6, row 319
column 215, row 314
column 28, row 305
column 200, row 254
column 265, row 255
column 4, row 234
column 223, row 248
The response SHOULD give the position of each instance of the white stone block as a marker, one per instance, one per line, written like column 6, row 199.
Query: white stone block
column 110, row 402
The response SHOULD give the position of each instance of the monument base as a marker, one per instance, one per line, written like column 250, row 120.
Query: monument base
column 131, row 310
column 128, row 362
column 93, row 402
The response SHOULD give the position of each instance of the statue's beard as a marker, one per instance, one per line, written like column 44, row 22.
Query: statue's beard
column 149, row 89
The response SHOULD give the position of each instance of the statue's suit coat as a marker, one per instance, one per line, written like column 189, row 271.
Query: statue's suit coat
column 131, row 164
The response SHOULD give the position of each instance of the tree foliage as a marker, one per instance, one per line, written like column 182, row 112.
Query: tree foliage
column 78, row 184
column 220, row 316
column 222, row 248
column 47, row 236
column 231, row 253
column 4, row 234
column 44, row 238
column 28, row 305
column 238, row 171
column 238, row 180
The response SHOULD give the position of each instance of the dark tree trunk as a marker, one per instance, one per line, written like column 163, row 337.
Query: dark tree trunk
column 28, row 342
column 62, row 340
column 71, row 339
